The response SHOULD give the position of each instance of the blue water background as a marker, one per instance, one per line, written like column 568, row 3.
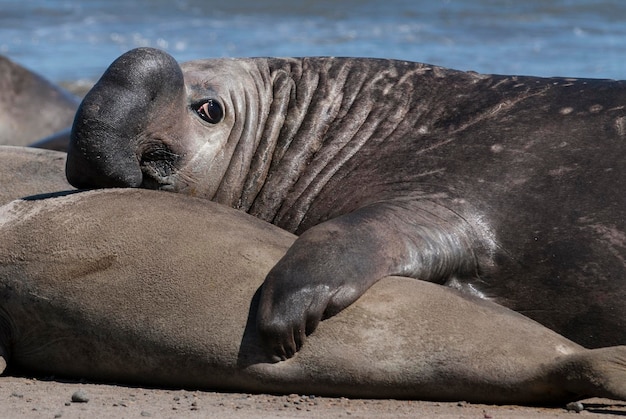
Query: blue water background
column 74, row 40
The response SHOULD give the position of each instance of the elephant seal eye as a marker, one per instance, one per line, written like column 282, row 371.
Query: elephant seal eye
column 211, row 111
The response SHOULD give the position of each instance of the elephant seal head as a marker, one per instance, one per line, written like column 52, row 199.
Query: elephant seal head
column 146, row 123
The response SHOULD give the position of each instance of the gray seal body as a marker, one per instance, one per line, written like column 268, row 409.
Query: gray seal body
column 508, row 187
column 32, row 109
column 26, row 171
column 155, row 289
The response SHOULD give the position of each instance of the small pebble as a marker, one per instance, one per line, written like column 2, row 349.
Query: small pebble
column 575, row 407
column 80, row 397
column 146, row 414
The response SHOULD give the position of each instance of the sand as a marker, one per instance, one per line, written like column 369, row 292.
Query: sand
column 26, row 397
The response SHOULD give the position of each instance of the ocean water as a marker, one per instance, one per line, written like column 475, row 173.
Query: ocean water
column 76, row 40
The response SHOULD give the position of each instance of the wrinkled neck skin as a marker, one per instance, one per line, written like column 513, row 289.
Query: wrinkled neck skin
column 296, row 122
column 222, row 157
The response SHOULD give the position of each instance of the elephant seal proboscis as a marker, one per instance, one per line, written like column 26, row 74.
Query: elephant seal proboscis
column 507, row 187
column 28, row 171
column 112, row 285
column 32, row 108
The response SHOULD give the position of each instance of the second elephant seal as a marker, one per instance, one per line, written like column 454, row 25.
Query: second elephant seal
column 32, row 108
column 28, row 171
column 110, row 285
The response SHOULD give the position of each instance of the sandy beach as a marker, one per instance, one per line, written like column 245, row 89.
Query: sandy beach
column 26, row 397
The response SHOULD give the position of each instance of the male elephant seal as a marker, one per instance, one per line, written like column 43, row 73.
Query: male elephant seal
column 32, row 108
column 508, row 187
column 150, row 288
column 28, row 171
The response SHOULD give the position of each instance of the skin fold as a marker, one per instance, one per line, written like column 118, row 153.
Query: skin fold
column 506, row 187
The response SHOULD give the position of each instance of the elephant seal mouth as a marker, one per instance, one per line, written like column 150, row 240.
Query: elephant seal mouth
column 151, row 181
column 92, row 173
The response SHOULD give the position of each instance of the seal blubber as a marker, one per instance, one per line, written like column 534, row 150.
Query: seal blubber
column 110, row 286
column 509, row 187
column 32, row 108
column 26, row 171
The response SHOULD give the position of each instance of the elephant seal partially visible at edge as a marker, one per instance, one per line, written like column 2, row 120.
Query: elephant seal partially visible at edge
column 30, row 171
column 150, row 288
column 32, row 108
column 508, row 187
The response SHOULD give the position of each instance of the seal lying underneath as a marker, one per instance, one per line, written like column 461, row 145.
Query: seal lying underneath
column 30, row 171
column 508, row 187
column 112, row 285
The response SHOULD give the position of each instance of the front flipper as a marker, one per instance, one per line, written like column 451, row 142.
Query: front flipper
column 332, row 264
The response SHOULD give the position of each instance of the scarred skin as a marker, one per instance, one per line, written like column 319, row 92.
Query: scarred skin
column 506, row 187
